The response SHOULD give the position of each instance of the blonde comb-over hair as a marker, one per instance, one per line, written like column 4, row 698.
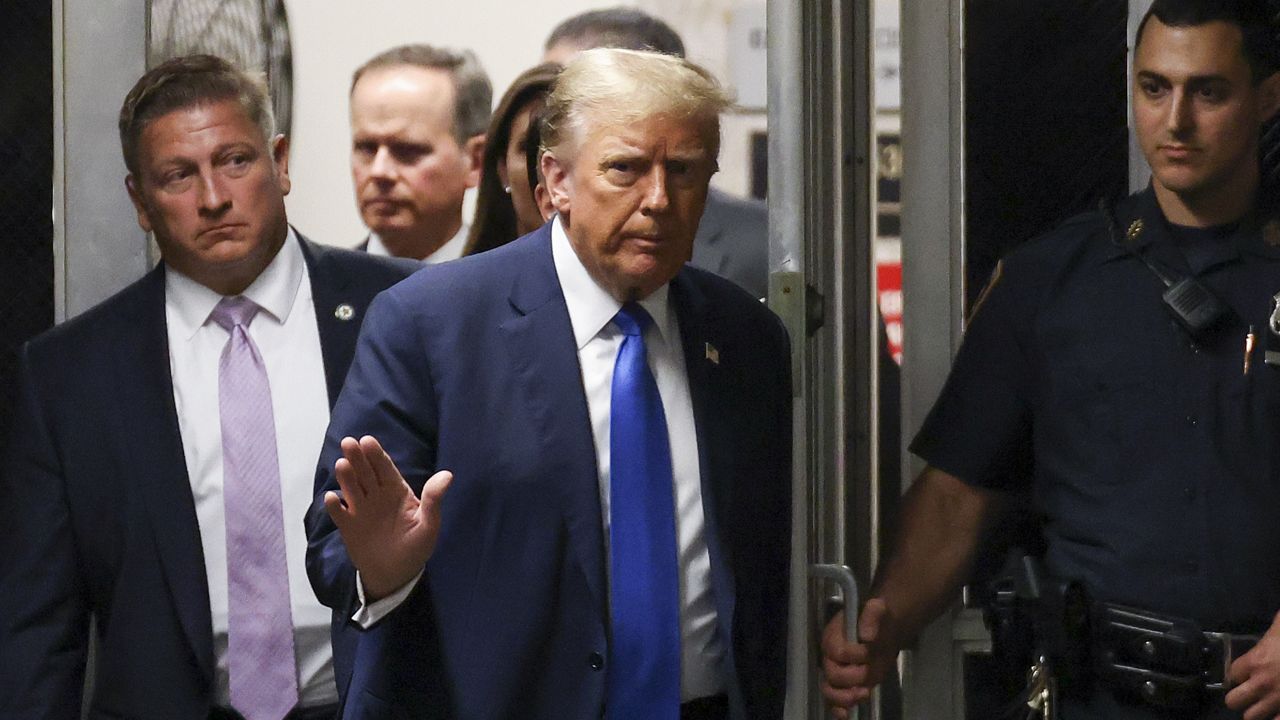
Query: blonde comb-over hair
column 625, row 86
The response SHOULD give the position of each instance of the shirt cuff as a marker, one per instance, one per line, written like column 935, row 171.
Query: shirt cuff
column 370, row 614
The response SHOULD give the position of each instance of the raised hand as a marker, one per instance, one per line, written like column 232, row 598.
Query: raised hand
column 389, row 531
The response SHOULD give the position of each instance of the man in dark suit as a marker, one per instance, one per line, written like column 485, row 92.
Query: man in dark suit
column 418, row 119
column 733, row 237
column 165, row 440
column 617, row 536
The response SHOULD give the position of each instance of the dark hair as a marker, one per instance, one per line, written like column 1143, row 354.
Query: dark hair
column 473, row 95
column 495, row 218
column 1258, row 27
column 533, row 149
column 620, row 27
column 189, row 81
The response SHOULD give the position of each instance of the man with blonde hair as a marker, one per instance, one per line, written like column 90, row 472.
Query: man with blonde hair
column 613, row 430
column 733, row 236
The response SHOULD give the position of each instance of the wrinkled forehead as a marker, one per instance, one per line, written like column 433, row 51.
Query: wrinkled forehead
column 223, row 120
column 691, row 136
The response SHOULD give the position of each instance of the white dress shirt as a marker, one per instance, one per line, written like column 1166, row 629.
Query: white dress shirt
column 288, row 338
column 451, row 250
column 591, row 310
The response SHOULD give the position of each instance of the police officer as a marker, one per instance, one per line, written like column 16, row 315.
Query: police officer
column 1145, row 420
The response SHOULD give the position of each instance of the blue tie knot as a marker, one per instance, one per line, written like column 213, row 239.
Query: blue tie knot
column 632, row 319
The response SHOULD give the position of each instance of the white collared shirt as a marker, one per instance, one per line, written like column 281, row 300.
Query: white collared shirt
column 598, row 340
column 288, row 338
column 451, row 250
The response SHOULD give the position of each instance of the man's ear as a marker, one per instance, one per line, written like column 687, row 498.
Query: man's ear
column 280, row 157
column 559, row 184
column 135, row 195
column 542, row 199
column 473, row 149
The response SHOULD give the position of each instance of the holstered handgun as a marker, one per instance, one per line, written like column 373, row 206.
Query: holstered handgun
column 1040, row 627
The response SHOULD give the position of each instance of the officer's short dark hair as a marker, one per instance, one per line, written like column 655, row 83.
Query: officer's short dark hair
column 184, row 82
column 1261, row 31
column 472, row 92
column 621, row 27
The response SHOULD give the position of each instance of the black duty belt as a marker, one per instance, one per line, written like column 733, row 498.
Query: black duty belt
column 1163, row 660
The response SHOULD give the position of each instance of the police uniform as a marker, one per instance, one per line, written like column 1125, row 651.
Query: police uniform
column 1153, row 457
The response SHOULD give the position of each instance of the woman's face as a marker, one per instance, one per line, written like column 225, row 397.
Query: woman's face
column 516, row 173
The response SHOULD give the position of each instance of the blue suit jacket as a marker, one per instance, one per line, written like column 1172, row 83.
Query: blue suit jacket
column 100, row 519
column 472, row 366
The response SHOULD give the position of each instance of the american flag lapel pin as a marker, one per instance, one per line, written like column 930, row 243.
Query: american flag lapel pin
column 712, row 354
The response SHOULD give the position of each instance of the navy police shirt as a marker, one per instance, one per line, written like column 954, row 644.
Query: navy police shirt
column 1152, row 456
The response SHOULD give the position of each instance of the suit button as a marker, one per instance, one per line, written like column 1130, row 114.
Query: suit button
column 596, row 661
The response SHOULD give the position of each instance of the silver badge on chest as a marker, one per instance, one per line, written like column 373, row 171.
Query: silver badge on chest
column 1272, row 355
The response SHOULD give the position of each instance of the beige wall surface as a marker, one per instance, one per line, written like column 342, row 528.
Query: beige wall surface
column 331, row 39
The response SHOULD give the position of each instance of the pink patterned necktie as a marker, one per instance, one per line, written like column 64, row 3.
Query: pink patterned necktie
column 260, row 659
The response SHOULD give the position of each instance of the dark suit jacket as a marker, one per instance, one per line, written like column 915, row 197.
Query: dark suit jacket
column 472, row 366
column 100, row 518
column 733, row 241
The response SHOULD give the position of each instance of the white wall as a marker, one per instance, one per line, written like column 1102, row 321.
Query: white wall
column 331, row 39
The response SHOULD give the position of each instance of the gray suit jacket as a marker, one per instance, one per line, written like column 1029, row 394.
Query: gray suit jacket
column 733, row 241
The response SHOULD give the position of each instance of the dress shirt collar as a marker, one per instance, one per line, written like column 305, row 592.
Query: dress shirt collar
column 274, row 290
column 374, row 246
column 451, row 250
column 590, row 306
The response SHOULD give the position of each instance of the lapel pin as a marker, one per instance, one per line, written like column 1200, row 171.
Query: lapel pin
column 1135, row 230
column 344, row 312
column 712, row 354
column 1271, row 355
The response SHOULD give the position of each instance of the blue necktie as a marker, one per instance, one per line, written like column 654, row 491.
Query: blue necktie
column 643, row 679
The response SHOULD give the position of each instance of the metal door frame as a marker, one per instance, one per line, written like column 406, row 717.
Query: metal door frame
column 822, row 285
column 933, row 246
column 99, row 51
